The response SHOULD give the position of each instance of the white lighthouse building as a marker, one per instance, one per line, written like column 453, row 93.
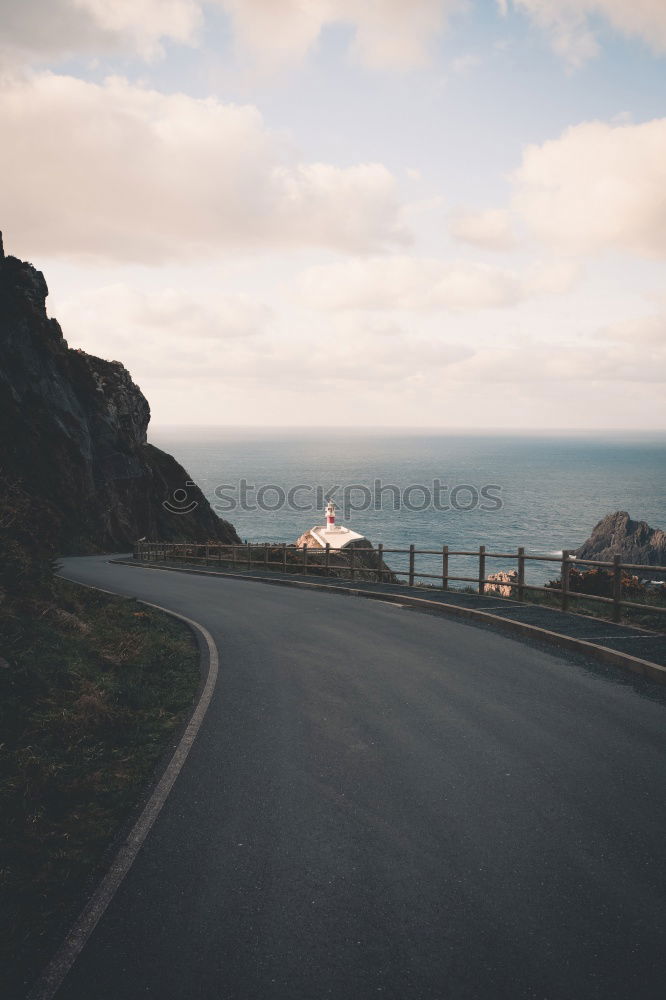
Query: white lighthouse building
column 333, row 534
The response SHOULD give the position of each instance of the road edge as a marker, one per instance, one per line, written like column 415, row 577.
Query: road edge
column 613, row 657
column 57, row 969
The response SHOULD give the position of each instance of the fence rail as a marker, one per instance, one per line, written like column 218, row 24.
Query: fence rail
column 368, row 564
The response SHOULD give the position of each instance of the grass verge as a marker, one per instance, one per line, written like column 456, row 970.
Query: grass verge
column 93, row 689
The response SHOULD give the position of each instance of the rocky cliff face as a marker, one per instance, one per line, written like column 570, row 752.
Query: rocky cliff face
column 635, row 541
column 366, row 558
column 73, row 432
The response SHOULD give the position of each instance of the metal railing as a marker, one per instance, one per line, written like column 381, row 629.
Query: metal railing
column 368, row 564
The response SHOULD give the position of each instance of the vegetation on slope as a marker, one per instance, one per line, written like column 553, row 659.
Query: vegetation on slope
column 92, row 690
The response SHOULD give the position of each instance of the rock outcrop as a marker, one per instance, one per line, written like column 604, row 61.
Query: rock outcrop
column 366, row 559
column 74, row 435
column 634, row 541
column 501, row 582
column 307, row 541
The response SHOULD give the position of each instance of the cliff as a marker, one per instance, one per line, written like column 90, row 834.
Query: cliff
column 74, row 435
column 634, row 541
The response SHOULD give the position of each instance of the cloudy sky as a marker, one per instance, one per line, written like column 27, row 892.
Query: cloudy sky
column 442, row 213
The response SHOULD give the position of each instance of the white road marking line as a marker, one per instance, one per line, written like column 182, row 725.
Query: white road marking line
column 634, row 637
column 55, row 972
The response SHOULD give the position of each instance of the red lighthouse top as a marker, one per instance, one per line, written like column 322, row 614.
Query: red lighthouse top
column 336, row 536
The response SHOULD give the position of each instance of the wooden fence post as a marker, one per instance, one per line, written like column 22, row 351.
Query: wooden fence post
column 617, row 589
column 327, row 558
column 380, row 563
column 411, row 565
column 445, row 567
column 305, row 559
column 482, row 569
column 352, row 563
column 284, row 558
column 521, row 574
column 266, row 556
column 564, row 577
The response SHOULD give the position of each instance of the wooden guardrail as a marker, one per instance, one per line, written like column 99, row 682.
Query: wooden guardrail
column 368, row 564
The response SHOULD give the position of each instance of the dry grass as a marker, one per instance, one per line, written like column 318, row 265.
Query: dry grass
column 92, row 690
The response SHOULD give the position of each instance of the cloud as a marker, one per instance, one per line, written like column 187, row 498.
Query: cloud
column 359, row 350
column 570, row 363
column 168, row 334
column 490, row 230
column 388, row 34
column 421, row 283
column 571, row 23
column 630, row 351
column 123, row 311
column 597, row 187
column 646, row 333
column 116, row 171
column 46, row 29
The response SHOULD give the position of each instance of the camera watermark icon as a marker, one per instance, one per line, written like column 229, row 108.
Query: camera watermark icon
column 179, row 502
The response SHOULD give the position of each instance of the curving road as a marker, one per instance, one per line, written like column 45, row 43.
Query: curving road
column 384, row 804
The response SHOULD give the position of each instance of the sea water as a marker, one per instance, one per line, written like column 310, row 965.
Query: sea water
column 503, row 491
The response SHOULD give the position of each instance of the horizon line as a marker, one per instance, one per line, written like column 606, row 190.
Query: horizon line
column 313, row 428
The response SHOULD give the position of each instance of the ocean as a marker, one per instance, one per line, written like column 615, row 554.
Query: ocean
column 545, row 493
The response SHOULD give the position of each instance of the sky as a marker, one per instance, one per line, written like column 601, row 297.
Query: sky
column 400, row 213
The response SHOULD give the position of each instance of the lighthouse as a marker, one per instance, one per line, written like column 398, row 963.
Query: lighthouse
column 336, row 536
column 330, row 516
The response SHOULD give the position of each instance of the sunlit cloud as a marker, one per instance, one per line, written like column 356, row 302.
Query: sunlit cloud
column 137, row 175
column 491, row 229
column 597, row 187
column 43, row 29
column 424, row 284
column 386, row 34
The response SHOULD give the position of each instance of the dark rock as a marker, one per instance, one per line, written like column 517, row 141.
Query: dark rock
column 634, row 541
column 366, row 559
column 74, row 434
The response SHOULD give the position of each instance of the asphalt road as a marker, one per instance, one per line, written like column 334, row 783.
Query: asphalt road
column 387, row 804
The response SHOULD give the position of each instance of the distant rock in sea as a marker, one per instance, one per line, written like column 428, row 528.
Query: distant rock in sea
column 74, row 435
column 634, row 541
column 503, row 583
